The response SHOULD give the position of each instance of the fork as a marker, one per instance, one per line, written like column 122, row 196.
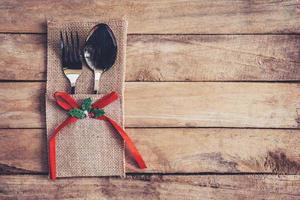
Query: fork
column 70, row 57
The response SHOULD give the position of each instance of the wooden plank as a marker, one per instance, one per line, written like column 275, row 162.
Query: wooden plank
column 191, row 150
column 158, row 16
column 173, row 104
column 173, row 57
column 24, row 57
column 153, row 187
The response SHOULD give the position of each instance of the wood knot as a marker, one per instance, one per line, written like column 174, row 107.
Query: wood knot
column 279, row 163
column 298, row 117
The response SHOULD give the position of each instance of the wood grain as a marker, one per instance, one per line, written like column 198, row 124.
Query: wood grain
column 173, row 57
column 210, row 187
column 158, row 16
column 173, row 104
column 190, row 150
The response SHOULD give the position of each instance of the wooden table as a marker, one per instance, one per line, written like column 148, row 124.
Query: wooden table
column 212, row 99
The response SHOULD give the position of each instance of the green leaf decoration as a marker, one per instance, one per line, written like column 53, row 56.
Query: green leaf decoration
column 77, row 113
column 98, row 112
column 85, row 108
column 87, row 104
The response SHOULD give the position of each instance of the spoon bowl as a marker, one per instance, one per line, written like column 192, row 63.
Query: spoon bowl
column 100, row 51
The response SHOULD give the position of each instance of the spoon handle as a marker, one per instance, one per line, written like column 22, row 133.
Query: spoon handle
column 97, row 74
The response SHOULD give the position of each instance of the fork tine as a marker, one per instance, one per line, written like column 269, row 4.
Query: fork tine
column 77, row 47
column 62, row 47
column 61, row 40
column 77, row 40
column 73, row 56
column 68, row 58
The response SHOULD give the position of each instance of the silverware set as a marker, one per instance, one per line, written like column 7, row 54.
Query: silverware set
column 99, row 53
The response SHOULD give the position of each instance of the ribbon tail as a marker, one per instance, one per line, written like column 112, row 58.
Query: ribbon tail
column 52, row 146
column 130, row 145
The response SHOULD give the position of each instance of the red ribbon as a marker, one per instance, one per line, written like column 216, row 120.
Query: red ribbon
column 67, row 102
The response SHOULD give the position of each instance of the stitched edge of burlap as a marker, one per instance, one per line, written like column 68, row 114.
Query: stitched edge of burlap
column 89, row 147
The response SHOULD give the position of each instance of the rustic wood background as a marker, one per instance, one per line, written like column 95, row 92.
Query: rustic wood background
column 212, row 99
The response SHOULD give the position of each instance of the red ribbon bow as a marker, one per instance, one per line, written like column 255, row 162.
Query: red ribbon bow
column 67, row 102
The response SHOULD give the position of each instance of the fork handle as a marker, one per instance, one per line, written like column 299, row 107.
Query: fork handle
column 73, row 90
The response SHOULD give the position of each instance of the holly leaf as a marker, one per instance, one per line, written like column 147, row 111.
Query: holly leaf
column 98, row 112
column 77, row 113
column 87, row 104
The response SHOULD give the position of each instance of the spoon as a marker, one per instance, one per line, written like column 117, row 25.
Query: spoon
column 100, row 51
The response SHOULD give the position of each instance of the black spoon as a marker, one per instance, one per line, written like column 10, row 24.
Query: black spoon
column 100, row 51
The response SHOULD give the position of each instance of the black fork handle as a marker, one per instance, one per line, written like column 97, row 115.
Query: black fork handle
column 73, row 90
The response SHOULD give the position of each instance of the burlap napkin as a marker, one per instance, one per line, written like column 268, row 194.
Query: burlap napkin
column 89, row 147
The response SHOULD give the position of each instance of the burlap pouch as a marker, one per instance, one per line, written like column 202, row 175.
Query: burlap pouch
column 88, row 147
